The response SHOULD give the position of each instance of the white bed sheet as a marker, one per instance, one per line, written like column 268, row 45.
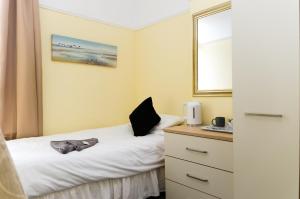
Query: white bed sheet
column 139, row 186
column 118, row 154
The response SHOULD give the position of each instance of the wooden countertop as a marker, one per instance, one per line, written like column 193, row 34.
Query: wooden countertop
column 198, row 132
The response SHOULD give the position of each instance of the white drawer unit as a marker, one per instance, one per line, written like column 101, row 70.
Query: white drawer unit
column 215, row 153
column 178, row 191
column 203, row 178
column 199, row 164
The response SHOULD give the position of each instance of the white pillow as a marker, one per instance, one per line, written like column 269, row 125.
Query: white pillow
column 168, row 121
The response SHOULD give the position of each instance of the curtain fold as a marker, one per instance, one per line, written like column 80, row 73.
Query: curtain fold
column 20, row 68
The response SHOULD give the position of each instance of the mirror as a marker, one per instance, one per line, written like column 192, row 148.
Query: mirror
column 213, row 51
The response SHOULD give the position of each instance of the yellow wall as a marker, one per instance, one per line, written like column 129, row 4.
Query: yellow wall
column 155, row 61
column 78, row 96
column 164, row 66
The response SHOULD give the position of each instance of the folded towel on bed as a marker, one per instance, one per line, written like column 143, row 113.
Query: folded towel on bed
column 66, row 146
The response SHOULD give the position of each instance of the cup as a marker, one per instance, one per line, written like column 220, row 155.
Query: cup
column 218, row 122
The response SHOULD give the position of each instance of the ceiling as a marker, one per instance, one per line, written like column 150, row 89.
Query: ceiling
column 133, row 14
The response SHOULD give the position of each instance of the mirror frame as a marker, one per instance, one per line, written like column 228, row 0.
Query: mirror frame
column 213, row 10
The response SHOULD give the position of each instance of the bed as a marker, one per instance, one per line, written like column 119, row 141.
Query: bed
column 120, row 166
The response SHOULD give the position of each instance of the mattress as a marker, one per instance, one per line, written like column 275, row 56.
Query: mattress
column 119, row 154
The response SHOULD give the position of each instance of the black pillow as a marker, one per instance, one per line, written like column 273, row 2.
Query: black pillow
column 144, row 118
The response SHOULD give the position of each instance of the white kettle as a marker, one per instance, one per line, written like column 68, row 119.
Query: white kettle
column 193, row 113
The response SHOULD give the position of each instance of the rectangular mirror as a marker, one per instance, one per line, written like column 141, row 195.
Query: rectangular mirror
column 213, row 51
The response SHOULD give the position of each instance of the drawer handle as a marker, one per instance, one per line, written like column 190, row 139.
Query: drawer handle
column 264, row 115
column 196, row 150
column 196, row 178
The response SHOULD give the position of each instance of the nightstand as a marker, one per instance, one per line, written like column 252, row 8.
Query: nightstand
column 199, row 164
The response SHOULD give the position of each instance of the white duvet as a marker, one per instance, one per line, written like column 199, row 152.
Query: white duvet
column 118, row 154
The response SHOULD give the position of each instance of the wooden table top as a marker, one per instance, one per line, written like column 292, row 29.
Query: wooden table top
column 198, row 132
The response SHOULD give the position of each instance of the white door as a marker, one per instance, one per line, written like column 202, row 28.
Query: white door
column 266, row 81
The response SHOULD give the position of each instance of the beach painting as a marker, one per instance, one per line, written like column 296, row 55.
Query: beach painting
column 67, row 49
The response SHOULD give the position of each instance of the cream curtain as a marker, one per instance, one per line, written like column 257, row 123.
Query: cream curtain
column 20, row 69
column 10, row 186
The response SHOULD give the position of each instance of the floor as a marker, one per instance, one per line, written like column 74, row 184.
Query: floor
column 162, row 196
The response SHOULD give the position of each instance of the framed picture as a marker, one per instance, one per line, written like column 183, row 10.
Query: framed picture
column 67, row 49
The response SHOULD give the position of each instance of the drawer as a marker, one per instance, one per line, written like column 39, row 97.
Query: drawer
column 214, row 153
column 208, row 180
column 177, row 191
